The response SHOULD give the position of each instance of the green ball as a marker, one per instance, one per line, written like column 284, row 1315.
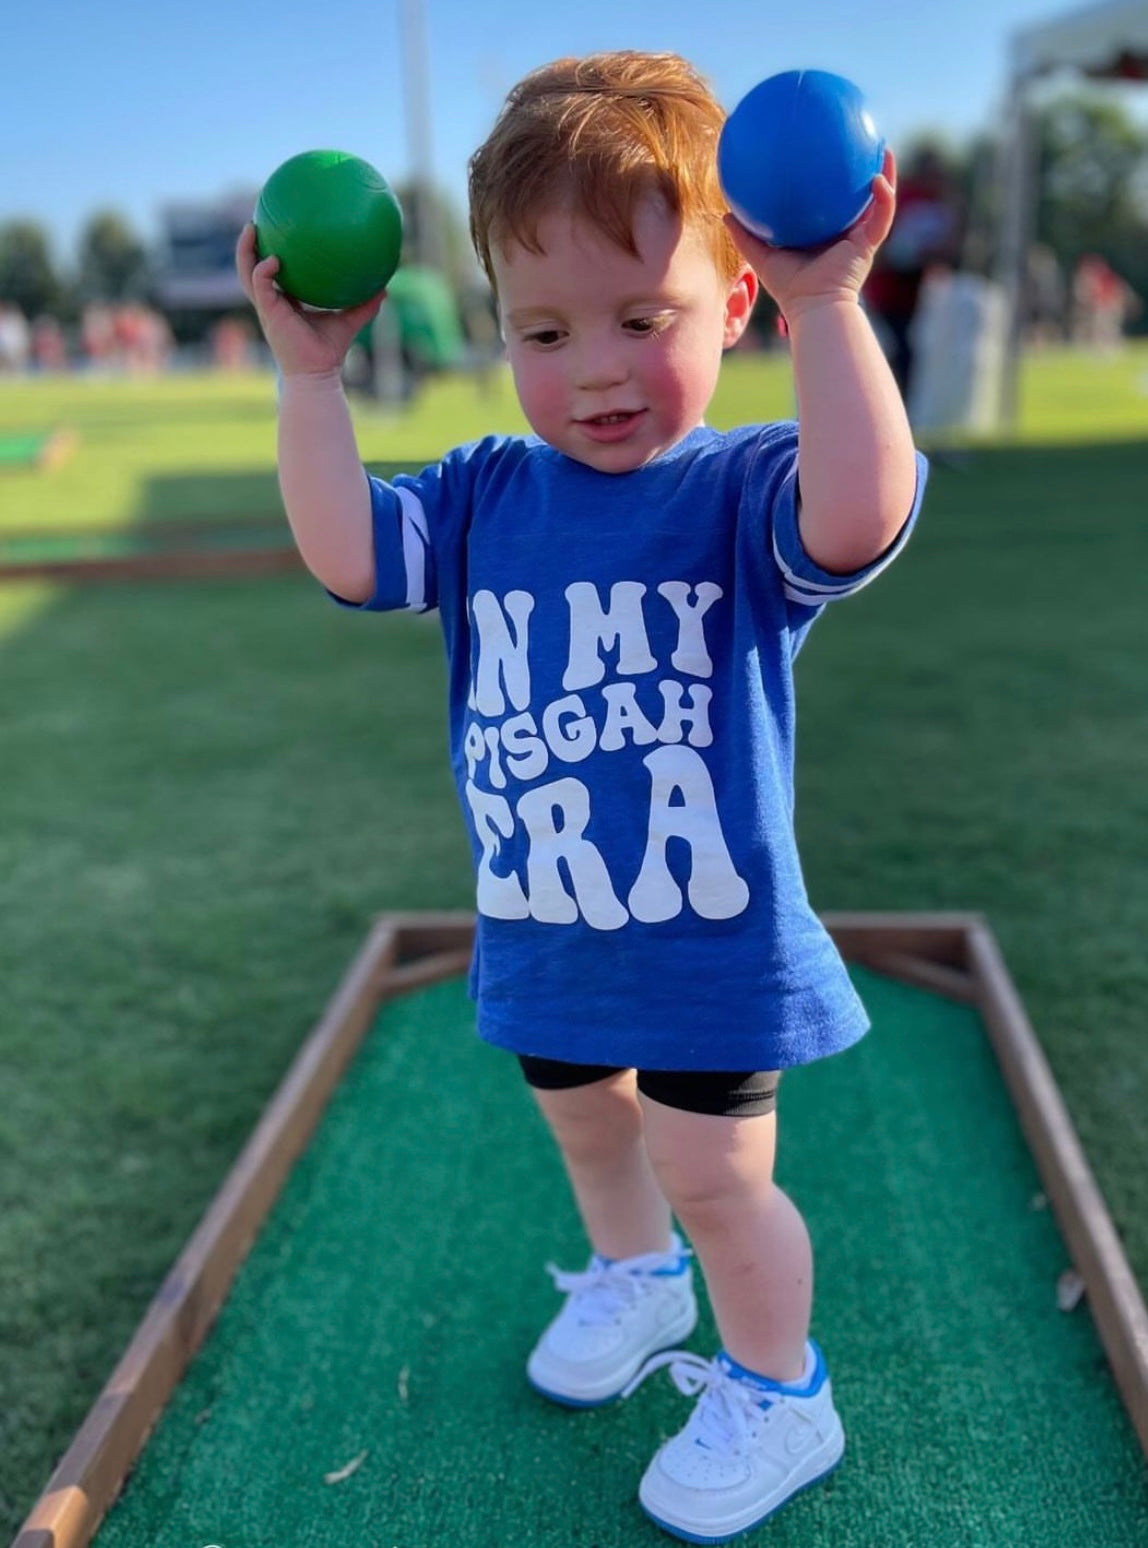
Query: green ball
column 334, row 225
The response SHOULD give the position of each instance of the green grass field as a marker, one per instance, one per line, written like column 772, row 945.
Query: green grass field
column 173, row 448
column 209, row 789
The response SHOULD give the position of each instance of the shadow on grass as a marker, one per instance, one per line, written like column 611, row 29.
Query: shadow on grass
column 1021, row 477
column 198, row 512
column 1038, row 497
column 1069, row 482
column 226, row 495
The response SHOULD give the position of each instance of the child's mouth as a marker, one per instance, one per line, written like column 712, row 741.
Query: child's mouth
column 609, row 427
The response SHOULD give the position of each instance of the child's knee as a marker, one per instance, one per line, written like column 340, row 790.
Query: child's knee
column 706, row 1165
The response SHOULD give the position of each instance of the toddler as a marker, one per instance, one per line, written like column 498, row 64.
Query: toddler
column 622, row 595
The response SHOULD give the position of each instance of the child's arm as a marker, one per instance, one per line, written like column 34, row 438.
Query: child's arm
column 321, row 473
column 856, row 464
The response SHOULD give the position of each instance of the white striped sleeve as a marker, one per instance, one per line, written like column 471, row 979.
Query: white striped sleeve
column 805, row 582
column 416, row 547
column 404, row 558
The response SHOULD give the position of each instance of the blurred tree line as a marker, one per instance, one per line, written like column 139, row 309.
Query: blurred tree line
column 1092, row 197
column 1091, row 188
column 112, row 265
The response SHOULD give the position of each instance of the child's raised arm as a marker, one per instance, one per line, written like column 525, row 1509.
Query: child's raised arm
column 856, row 464
column 321, row 473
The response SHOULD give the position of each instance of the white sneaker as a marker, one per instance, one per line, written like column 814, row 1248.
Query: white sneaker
column 618, row 1312
column 749, row 1446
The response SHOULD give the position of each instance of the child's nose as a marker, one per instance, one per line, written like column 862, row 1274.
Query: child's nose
column 601, row 365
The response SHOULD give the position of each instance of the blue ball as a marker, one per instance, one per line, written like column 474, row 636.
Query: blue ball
column 797, row 158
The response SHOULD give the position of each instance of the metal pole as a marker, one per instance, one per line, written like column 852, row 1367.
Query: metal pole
column 416, row 94
column 1016, row 226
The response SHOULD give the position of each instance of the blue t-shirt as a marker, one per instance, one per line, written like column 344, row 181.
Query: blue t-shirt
column 620, row 651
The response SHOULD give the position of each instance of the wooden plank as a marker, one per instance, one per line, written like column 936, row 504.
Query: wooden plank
column 422, row 933
column 427, row 970
column 954, row 983
column 1113, row 1295
column 940, row 937
column 175, row 565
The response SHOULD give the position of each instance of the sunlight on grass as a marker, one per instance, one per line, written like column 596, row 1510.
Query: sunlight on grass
column 133, row 431
column 129, row 430
column 1071, row 396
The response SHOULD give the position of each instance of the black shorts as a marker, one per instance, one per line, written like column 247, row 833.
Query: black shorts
column 718, row 1093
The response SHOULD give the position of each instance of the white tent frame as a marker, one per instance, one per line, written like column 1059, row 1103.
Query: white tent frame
column 1105, row 42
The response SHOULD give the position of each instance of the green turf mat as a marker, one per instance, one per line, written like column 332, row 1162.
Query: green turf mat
column 385, row 1312
column 17, row 451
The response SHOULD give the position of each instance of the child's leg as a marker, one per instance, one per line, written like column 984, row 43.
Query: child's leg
column 598, row 1129
column 636, row 1295
column 749, row 1238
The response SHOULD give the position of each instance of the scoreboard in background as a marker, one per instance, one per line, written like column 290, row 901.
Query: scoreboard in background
column 195, row 264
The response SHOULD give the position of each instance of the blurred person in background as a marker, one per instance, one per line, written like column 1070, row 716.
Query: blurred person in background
column 97, row 334
column 49, row 348
column 15, row 338
column 1046, row 296
column 232, row 344
column 1102, row 303
column 926, row 234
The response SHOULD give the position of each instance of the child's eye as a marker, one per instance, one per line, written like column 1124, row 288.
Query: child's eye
column 643, row 326
column 545, row 337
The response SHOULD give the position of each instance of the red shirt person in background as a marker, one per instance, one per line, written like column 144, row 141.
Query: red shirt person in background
column 925, row 233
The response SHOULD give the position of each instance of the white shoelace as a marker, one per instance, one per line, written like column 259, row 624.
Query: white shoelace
column 729, row 1410
column 605, row 1289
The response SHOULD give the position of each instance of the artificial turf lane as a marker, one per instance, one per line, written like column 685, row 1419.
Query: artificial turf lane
column 20, row 450
column 363, row 1385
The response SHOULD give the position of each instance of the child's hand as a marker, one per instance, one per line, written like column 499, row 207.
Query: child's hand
column 797, row 280
column 303, row 342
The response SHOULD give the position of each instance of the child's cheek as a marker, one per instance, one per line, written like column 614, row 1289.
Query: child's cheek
column 541, row 391
column 679, row 384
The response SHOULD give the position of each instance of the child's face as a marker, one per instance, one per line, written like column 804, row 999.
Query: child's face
column 615, row 358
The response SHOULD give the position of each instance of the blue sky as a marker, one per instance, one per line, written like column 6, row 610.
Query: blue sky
column 128, row 105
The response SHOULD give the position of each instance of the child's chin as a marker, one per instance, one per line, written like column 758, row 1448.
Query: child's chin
column 612, row 459
column 623, row 456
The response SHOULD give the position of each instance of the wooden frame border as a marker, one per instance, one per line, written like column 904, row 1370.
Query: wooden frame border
column 172, row 552
column 952, row 954
column 186, row 564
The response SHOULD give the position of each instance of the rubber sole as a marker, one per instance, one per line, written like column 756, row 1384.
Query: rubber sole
column 835, row 1447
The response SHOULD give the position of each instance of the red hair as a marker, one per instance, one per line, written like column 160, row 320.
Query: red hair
column 598, row 135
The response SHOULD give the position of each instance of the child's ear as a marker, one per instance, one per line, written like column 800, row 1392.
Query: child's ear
column 739, row 306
